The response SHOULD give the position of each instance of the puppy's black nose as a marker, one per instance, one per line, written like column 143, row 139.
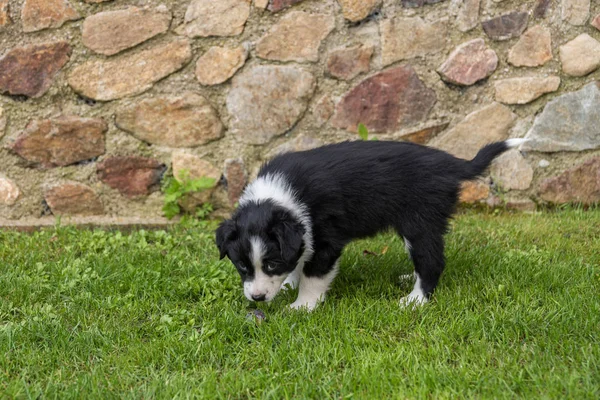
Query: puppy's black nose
column 259, row 297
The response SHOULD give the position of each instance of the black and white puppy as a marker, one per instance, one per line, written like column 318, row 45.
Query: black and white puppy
column 294, row 220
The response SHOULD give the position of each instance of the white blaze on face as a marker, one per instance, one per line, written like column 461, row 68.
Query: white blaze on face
column 261, row 284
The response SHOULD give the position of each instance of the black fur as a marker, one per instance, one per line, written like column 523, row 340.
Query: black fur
column 355, row 190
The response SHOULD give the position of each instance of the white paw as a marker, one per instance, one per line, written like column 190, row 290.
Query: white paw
column 303, row 305
column 289, row 284
column 413, row 300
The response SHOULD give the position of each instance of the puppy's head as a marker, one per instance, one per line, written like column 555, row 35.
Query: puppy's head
column 264, row 242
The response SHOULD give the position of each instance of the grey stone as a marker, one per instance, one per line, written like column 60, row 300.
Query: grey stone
column 575, row 12
column 468, row 15
column 506, row 26
column 284, row 92
column 511, row 171
column 570, row 122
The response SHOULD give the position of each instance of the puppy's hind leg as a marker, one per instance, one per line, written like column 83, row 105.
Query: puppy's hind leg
column 428, row 256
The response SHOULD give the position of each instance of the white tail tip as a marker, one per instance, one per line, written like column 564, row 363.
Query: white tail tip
column 515, row 142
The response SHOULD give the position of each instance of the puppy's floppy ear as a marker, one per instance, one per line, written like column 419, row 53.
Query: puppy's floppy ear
column 225, row 233
column 288, row 233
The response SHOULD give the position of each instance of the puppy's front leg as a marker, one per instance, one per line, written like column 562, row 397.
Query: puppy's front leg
column 313, row 287
column 292, row 278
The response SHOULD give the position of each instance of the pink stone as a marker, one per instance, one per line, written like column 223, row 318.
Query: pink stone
column 349, row 62
column 61, row 141
column 468, row 63
column 596, row 22
column 236, row 178
column 73, row 199
column 385, row 102
column 278, row 5
column 132, row 176
column 577, row 185
column 31, row 70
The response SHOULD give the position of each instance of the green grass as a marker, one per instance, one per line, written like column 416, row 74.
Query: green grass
column 95, row 314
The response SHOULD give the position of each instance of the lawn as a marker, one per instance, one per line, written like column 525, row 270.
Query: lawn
column 155, row 314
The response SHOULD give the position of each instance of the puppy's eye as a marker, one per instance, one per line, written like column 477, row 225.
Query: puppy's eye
column 270, row 267
column 242, row 268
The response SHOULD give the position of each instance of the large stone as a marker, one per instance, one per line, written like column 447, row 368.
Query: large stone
column 195, row 167
column 357, row 10
column 533, row 49
column 506, row 26
column 205, row 18
column 578, row 185
column 73, row 199
column 468, row 63
column 4, row 15
column 575, row 12
column 511, row 171
column 61, row 141
column 219, row 64
column 129, row 74
column 570, row 122
column 296, row 37
column 490, row 124
column 580, row 56
column 418, row 3
column 284, row 92
column 42, row 14
column 524, row 90
column 385, row 102
column 236, row 178
column 405, row 38
column 9, row 191
column 185, row 120
column 131, row 176
column 31, row 70
column 299, row 143
column 468, row 15
column 278, row 5
column 349, row 62
column 473, row 191
column 111, row 32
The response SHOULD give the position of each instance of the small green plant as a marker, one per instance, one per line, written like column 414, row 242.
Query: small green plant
column 176, row 190
column 363, row 132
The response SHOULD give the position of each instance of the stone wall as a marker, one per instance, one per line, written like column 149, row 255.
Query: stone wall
column 100, row 99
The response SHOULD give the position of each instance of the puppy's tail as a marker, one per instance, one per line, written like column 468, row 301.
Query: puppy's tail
column 486, row 155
